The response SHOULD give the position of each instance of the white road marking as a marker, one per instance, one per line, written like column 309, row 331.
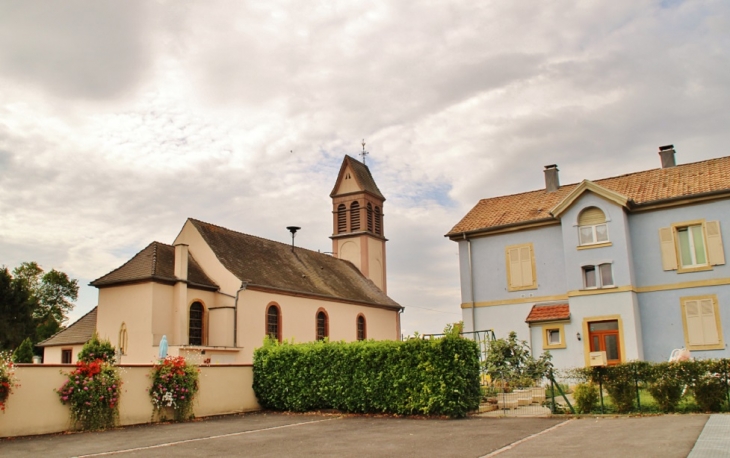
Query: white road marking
column 186, row 441
column 516, row 443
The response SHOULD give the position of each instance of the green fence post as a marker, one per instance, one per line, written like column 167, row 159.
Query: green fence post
column 636, row 384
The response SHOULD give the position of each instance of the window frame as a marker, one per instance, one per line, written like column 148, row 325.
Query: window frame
column 70, row 353
column 598, row 274
column 546, row 329
column 676, row 228
column 326, row 332
column 364, row 335
column 594, row 230
column 720, row 345
column 521, row 287
column 202, row 324
column 278, row 320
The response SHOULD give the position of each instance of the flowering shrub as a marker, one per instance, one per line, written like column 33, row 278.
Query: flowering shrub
column 7, row 378
column 92, row 389
column 174, row 385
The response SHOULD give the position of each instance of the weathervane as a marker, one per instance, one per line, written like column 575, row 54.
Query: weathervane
column 364, row 153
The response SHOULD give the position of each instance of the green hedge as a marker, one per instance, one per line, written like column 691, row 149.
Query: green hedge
column 705, row 384
column 429, row 377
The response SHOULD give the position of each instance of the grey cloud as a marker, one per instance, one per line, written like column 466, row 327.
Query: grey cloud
column 75, row 48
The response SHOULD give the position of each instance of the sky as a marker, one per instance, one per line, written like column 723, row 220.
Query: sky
column 119, row 120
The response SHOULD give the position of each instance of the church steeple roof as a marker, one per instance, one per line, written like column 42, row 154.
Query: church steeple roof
column 361, row 174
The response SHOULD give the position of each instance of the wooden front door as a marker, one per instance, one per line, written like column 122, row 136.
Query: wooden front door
column 604, row 336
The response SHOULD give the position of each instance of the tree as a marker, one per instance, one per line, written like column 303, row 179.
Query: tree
column 24, row 353
column 16, row 311
column 52, row 291
column 511, row 360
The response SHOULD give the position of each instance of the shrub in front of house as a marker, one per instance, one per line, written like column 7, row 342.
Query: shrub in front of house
column 427, row 377
column 666, row 384
column 174, row 386
column 92, row 389
column 586, row 397
column 7, row 378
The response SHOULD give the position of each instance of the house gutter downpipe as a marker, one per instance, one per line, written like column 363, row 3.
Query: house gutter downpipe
column 244, row 284
column 471, row 286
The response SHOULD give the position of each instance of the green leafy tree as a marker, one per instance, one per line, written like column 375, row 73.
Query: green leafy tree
column 510, row 360
column 52, row 292
column 24, row 353
column 16, row 311
column 98, row 349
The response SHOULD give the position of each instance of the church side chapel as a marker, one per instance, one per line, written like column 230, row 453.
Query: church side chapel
column 215, row 293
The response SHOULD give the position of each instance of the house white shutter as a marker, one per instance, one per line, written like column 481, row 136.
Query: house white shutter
column 709, row 323
column 715, row 252
column 694, row 323
column 526, row 266
column 515, row 269
column 669, row 254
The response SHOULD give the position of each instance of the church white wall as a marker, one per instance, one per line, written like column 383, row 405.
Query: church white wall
column 132, row 305
column 298, row 318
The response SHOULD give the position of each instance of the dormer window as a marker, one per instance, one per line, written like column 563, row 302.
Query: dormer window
column 592, row 226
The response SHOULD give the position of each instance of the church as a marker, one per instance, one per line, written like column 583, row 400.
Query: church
column 215, row 293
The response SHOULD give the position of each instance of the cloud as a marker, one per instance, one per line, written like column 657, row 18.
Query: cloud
column 117, row 122
column 75, row 49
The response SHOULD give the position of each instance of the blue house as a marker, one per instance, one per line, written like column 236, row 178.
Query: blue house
column 632, row 265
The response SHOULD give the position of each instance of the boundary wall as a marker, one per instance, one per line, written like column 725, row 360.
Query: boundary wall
column 34, row 407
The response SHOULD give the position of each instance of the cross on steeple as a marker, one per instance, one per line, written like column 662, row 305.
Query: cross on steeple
column 364, row 153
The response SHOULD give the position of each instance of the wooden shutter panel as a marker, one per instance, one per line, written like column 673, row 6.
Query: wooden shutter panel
column 669, row 254
column 694, row 323
column 591, row 216
column 526, row 266
column 715, row 252
column 709, row 323
column 515, row 270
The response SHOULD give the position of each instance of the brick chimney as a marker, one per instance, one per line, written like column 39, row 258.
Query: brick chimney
column 667, row 155
column 552, row 181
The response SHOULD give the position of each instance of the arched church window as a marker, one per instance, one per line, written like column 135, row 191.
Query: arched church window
column 195, row 324
column 341, row 219
column 322, row 325
column 355, row 216
column 378, row 221
column 273, row 322
column 370, row 217
column 361, row 328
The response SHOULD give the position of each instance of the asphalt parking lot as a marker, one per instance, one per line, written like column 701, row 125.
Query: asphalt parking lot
column 280, row 434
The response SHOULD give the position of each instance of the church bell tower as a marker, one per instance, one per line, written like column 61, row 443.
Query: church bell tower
column 357, row 221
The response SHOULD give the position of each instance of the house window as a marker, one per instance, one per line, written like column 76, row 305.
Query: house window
column 273, row 322
column 701, row 323
column 592, row 226
column 691, row 246
column 600, row 276
column 66, row 355
column 123, row 339
column 520, row 267
column 354, row 216
column 322, row 325
column 553, row 336
column 378, row 221
column 341, row 219
column 361, row 328
column 195, row 324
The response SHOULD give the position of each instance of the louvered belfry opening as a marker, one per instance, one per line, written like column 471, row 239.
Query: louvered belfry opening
column 370, row 217
column 355, row 216
column 341, row 219
column 378, row 222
